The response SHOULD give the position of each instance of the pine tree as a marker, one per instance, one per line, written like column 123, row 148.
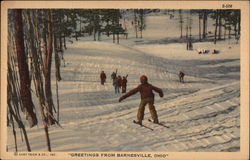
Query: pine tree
column 25, row 90
column 113, row 26
column 135, row 23
column 204, row 34
column 32, row 33
column 181, row 20
column 48, row 60
column 141, row 22
column 220, row 23
column 216, row 25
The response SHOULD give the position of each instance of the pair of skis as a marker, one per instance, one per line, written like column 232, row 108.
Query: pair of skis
column 142, row 125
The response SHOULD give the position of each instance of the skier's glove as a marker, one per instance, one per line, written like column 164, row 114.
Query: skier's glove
column 161, row 94
column 120, row 99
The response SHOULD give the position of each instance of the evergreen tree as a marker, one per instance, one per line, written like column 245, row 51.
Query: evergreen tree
column 48, row 60
column 141, row 22
column 181, row 20
column 23, row 68
column 115, row 26
column 217, row 12
column 205, row 15
column 135, row 23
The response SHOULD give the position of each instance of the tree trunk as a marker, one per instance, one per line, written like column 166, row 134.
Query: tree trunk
column 94, row 34
column 220, row 25
column 23, row 68
column 190, row 32
column 225, row 32
column 199, row 27
column 13, row 130
column 181, row 30
column 80, row 26
column 204, row 24
column 76, row 35
column 229, row 33
column 57, row 60
column 181, row 21
column 60, row 36
column 21, row 125
column 64, row 41
column 118, row 41
column 124, row 23
column 239, row 25
column 60, row 42
column 135, row 19
column 99, row 35
column 48, row 92
column 44, row 36
column 113, row 37
column 187, row 32
column 46, row 130
column 108, row 33
column 141, row 24
column 216, row 26
column 235, row 31
column 38, row 83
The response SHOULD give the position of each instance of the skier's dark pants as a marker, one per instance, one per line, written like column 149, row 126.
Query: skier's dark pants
column 124, row 89
column 117, row 89
column 102, row 81
column 144, row 102
column 181, row 79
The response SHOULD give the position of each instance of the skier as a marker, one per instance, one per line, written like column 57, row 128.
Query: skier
column 147, row 97
column 181, row 76
column 124, row 84
column 116, row 85
column 103, row 77
column 119, row 81
column 113, row 75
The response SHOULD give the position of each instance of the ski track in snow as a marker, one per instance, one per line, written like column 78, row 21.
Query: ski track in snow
column 202, row 113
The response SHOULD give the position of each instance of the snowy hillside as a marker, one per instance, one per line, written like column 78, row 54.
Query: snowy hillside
column 203, row 114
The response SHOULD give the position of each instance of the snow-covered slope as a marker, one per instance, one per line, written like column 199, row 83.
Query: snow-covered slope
column 203, row 114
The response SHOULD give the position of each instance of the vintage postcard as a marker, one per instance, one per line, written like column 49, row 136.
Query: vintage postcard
column 118, row 80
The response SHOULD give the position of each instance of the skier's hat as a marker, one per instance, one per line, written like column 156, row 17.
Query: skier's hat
column 143, row 78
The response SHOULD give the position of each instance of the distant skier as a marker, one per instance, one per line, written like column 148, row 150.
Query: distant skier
column 181, row 76
column 116, row 85
column 124, row 84
column 119, row 81
column 113, row 75
column 103, row 77
column 147, row 97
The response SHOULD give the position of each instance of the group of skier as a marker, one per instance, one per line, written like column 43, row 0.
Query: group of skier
column 118, row 81
column 145, row 89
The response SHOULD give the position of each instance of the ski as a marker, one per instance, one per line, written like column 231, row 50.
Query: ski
column 142, row 125
column 163, row 125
